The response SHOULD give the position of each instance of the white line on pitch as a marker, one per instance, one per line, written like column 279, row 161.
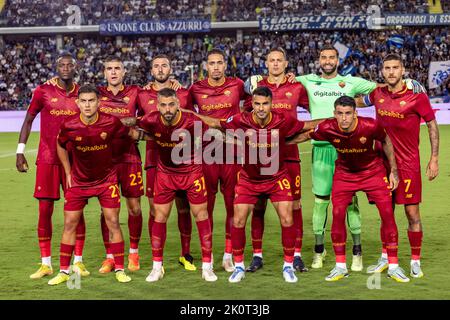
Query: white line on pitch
column 6, row 155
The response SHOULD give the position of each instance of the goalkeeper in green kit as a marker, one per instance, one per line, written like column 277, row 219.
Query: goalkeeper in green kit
column 323, row 90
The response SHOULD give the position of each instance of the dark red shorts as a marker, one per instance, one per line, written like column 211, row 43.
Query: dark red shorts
column 409, row 190
column 249, row 191
column 294, row 172
column 225, row 173
column 167, row 186
column 49, row 178
column 130, row 179
column 76, row 198
column 374, row 183
column 150, row 175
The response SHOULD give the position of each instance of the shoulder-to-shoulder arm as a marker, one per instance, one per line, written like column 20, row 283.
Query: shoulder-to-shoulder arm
column 233, row 122
column 321, row 131
column 361, row 85
column 302, row 79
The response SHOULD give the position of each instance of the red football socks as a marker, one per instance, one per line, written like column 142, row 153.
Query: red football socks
column 205, row 235
column 238, row 242
column 65, row 256
column 118, row 251
column 135, row 230
column 80, row 236
column 159, row 233
column 257, row 230
column 288, row 241
column 45, row 227
column 415, row 241
column 298, row 224
column 185, row 228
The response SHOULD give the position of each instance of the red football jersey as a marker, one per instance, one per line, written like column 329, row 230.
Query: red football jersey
column 400, row 113
column 122, row 105
column 219, row 102
column 169, row 148
column 147, row 103
column 286, row 98
column 267, row 141
column 55, row 105
column 355, row 149
column 91, row 149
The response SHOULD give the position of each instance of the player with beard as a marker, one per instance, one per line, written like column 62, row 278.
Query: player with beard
column 120, row 100
column 286, row 98
column 147, row 100
column 400, row 111
column 55, row 101
column 219, row 97
column 174, row 175
column 359, row 167
column 263, row 174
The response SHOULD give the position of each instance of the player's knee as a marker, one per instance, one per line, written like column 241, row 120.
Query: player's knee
column 297, row 204
column 135, row 211
column 238, row 221
column 70, row 225
column 286, row 221
column 323, row 197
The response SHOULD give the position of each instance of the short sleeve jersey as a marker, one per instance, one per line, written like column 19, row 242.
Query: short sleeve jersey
column 400, row 115
column 355, row 149
column 54, row 105
column 264, row 147
column 179, row 144
column 122, row 105
column 91, row 148
column 147, row 103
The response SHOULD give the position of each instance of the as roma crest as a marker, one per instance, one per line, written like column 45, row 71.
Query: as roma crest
column 402, row 103
column 337, row 140
column 103, row 135
column 126, row 99
column 54, row 100
column 363, row 140
column 227, row 93
column 151, row 101
column 204, row 96
column 288, row 94
column 381, row 100
column 341, row 84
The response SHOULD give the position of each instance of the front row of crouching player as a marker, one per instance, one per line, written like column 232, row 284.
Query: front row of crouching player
column 84, row 147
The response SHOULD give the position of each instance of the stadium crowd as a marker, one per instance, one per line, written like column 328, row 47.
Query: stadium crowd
column 37, row 13
column 27, row 63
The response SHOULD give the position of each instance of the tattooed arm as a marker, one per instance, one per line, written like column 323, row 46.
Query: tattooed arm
column 433, row 165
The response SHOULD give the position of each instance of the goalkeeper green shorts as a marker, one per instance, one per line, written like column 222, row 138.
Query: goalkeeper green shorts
column 323, row 158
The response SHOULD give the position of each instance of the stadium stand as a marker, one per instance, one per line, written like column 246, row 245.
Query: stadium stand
column 26, row 61
column 18, row 13
column 29, row 61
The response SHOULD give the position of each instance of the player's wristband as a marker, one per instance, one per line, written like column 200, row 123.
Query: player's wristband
column 20, row 148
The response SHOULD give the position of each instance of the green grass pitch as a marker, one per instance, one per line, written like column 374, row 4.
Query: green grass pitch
column 19, row 252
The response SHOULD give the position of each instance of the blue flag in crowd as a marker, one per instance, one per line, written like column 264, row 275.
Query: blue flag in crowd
column 396, row 41
column 348, row 69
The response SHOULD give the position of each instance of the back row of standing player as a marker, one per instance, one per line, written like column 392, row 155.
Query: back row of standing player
column 219, row 97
